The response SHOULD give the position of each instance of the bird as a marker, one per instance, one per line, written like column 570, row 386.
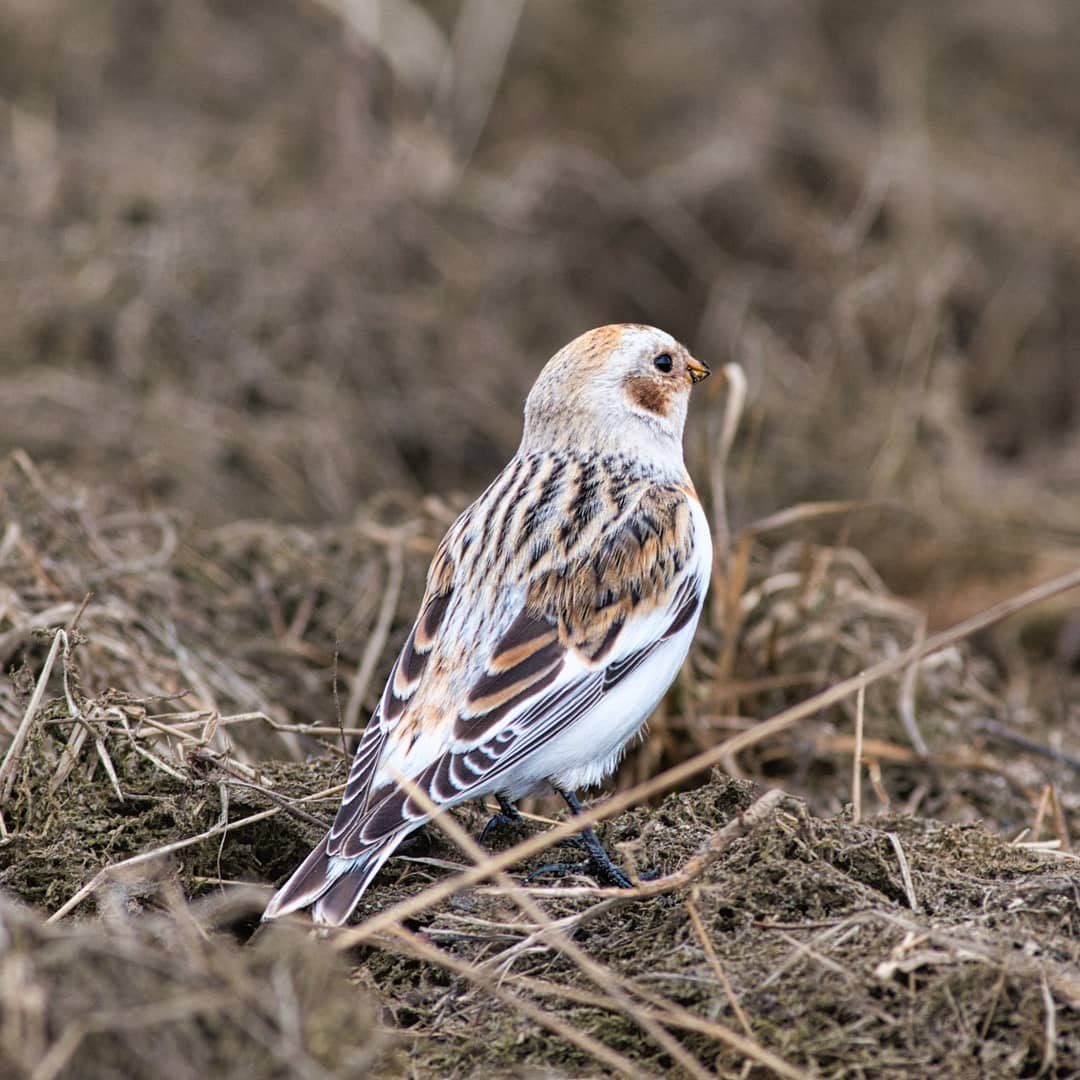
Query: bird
column 558, row 609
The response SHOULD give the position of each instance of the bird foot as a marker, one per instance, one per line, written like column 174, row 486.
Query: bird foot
column 605, row 872
column 604, row 875
column 506, row 819
column 608, row 874
column 499, row 823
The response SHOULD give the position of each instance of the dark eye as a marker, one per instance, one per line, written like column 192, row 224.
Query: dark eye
column 664, row 362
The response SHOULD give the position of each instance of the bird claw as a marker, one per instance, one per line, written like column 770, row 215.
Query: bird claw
column 557, row 869
column 599, row 864
column 507, row 817
column 497, row 823
column 608, row 874
column 574, row 842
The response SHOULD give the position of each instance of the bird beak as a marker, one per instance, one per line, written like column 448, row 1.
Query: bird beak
column 697, row 370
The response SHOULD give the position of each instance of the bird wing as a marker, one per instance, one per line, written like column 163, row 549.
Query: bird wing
column 587, row 614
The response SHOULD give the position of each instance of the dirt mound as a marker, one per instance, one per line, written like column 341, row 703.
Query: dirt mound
column 892, row 947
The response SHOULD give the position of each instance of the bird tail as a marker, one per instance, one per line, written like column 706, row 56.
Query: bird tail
column 330, row 885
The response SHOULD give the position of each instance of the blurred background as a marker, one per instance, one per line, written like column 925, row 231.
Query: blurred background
column 274, row 259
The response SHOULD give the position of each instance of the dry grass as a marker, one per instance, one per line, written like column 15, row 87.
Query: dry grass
column 275, row 274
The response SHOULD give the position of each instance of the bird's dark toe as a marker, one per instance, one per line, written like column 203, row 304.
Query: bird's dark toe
column 559, row 870
column 603, row 874
column 507, row 820
column 500, row 823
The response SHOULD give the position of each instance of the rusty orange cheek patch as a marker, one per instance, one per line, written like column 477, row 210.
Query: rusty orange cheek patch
column 649, row 394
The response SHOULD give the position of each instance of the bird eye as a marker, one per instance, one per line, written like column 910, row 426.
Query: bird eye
column 664, row 362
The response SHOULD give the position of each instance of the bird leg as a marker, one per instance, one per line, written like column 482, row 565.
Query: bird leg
column 599, row 864
column 507, row 818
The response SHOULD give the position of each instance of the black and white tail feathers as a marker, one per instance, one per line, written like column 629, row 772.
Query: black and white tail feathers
column 331, row 886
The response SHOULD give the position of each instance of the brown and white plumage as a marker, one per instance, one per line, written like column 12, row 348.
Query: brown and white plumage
column 558, row 609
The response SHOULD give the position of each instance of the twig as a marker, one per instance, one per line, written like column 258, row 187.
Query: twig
column 1060, row 826
column 278, row 800
column 201, row 743
column 714, row 961
column 995, row 998
column 379, row 632
column 279, row 725
column 73, row 624
column 735, row 401
column 479, row 49
column 806, row 512
column 803, row 949
column 1040, row 813
column 1049, row 1027
column 856, row 764
column 727, row 602
column 907, row 701
column 873, row 769
column 155, row 759
column 905, row 871
column 10, row 765
column 1004, row 734
column 69, row 756
column 110, row 769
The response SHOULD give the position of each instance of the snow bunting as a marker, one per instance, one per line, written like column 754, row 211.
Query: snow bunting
column 559, row 608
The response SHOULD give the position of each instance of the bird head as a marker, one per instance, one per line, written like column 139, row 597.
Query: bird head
column 621, row 388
